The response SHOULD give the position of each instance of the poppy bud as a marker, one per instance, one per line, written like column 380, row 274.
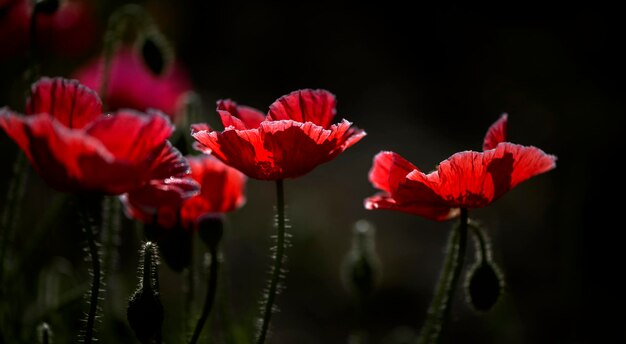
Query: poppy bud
column 155, row 52
column 46, row 6
column 361, row 266
column 44, row 333
column 484, row 285
column 145, row 311
column 210, row 229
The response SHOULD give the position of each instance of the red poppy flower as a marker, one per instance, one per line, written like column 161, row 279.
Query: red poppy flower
column 294, row 137
column 221, row 191
column 465, row 180
column 70, row 31
column 75, row 148
column 133, row 85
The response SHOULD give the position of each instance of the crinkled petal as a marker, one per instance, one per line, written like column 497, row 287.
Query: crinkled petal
column 69, row 102
column 389, row 170
column 296, row 148
column 496, row 133
column 69, row 160
column 475, row 179
column 237, row 116
column 385, row 201
column 132, row 136
column 236, row 148
column 316, row 106
column 168, row 163
column 278, row 149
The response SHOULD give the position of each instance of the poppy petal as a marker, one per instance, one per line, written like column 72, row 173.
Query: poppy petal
column 69, row 102
column 68, row 160
column 240, row 117
column 475, row 179
column 496, row 133
column 528, row 162
column 385, row 201
column 316, row 106
column 168, row 163
column 132, row 136
column 389, row 170
column 315, row 145
column 170, row 191
column 241, row 149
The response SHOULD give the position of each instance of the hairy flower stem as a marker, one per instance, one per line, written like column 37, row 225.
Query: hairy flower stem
column 210, row 294
column 94, row 254
column 278, row 262
column 482, row 241
column 439, row 309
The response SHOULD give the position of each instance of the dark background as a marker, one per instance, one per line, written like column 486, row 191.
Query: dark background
column 425, row 81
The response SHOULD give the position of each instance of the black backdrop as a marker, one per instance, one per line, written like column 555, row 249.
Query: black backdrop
column 425, row 81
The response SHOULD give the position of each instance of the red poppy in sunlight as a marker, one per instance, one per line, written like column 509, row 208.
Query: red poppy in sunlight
column 133, row 85
column 71, row 31
column 294, row 137
column 221, row 191
column 465, row 180
column 75, row 148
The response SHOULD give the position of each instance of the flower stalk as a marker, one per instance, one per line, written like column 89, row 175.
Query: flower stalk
column 210, row 295
column 89, row 228
column 439, row 309
column 278, row 263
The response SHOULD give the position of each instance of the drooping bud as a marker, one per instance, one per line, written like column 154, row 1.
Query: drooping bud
column 145, row 311
column 484, row 285
column 360, row 269
column 44, row 333
column 155, row 51
column 484, row 282
column 211, row 229
column 46, row 6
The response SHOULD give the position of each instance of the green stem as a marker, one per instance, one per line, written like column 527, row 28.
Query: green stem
column 278, row 262
column 8, row 221
column 439, row 309
column 189, row 292
column 482, row 241
column 96, row 274
column 210, row 294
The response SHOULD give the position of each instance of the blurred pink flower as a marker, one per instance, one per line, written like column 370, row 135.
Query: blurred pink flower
column 133, row 85
column 71, row 31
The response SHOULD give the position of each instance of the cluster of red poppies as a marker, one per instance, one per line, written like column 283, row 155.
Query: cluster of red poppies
column 117, row 143
column 77, row 148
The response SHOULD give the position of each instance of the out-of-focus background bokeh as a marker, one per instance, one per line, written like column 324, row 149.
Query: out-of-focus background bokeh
column 425, row 81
